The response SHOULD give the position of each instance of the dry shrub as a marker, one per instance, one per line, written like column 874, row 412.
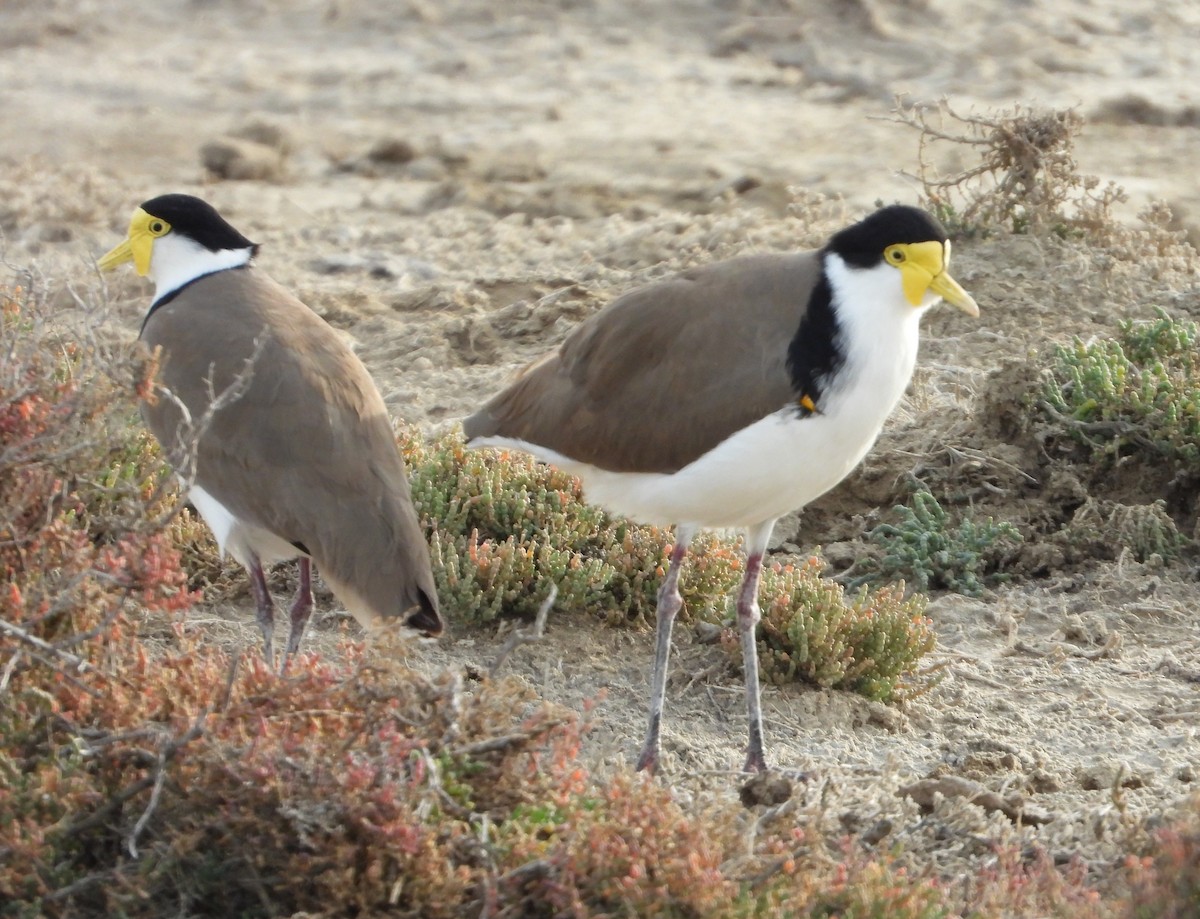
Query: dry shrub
column 82, row 509
column 876, row 890
column 627, row 848
column 1025, row 179
column 849, row 879
column 83, row 551
column 1103, row 529
column 178, row 780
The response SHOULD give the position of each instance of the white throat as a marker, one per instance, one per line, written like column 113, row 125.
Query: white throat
column 879, row 334
column 178, row 259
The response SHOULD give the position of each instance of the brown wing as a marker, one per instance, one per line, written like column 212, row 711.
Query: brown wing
column 666, row 372
column 308, row 451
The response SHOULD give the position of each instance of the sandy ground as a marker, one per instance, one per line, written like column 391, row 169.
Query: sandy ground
column 462, row 182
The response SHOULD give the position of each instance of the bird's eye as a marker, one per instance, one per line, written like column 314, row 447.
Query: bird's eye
column 158, row 227
column 894, row 254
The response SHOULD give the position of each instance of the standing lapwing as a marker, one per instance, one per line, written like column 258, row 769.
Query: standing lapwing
column 729, row 395
column 298, row 458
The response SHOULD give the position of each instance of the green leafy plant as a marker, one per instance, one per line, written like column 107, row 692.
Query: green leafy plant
column 932, row 551
column 503, row 528
column 1100, row 529
column 812, row 632
column 1138, row 392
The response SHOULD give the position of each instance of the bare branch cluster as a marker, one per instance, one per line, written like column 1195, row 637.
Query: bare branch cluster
column 1025, row 177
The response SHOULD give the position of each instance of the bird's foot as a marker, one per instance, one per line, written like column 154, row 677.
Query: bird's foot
column 755, row 762
column 648, row 761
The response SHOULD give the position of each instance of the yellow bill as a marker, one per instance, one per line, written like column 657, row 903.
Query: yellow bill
column 924, row 267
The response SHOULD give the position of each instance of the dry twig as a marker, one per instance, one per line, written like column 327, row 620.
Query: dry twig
column 16, row 631
column 525, row 636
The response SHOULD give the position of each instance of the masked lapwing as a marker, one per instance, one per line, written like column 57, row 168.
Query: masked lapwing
column 283, row 438
column 731, row 394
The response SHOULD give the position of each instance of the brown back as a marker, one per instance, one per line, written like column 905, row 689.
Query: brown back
column 308, row 451
column 666, row 372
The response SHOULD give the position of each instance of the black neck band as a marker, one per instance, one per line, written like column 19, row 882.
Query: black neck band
column 815, row 353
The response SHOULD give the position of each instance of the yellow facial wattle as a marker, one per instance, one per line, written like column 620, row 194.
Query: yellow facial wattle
column 138, row 246
column 924, row 267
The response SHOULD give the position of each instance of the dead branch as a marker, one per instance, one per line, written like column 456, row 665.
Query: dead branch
column 227, row 691
column 9, row 669
column 530, row 871
column 495, row 744
column 185, row 449
column 76, row 887
column 1106, row 430
column 160, row 778
column 525, row 636
column 45, row 647
column 117, row 801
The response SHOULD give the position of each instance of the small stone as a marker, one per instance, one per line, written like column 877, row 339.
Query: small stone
column 768, row 789
column 393, row 151
column 266, row 134
column 877, row 833
column 427, row 169
column 241, row 160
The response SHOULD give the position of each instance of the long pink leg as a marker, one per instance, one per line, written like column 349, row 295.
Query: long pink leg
column 669, row 603
column 748, row 615
column 264, row 607
column 301, row 610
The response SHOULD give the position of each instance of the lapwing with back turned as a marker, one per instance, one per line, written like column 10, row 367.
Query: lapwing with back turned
column 298, row 456
column 729, row 395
